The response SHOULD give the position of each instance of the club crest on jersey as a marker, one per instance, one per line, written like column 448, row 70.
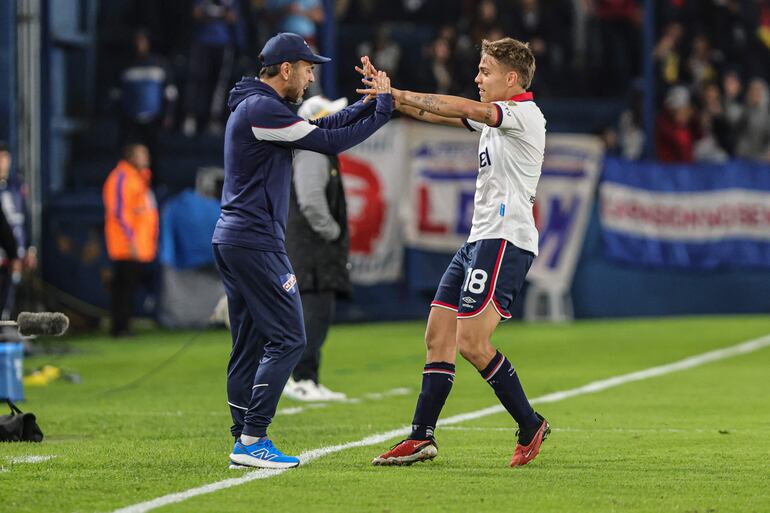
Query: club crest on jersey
column 289, row 283
column 484, row 159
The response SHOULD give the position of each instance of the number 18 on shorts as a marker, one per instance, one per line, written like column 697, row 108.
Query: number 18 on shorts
column 483, row 273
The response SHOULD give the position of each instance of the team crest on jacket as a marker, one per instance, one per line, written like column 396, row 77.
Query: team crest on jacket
column 289, row 283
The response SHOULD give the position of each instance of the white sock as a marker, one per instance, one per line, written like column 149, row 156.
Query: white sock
column 248, row 440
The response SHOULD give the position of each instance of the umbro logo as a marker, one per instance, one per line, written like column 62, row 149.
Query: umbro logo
column 469, row 300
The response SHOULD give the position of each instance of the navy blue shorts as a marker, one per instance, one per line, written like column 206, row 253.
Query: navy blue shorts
column 483, row 272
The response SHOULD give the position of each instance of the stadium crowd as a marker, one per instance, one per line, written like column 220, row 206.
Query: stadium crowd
column 712, row 60
column 712, row 65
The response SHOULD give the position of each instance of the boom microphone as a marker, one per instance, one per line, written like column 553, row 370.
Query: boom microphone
column 41, row 323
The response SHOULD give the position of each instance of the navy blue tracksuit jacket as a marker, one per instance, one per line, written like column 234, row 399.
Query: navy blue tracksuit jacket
column 264, row 306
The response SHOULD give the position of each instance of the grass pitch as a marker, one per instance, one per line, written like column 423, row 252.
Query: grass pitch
column 691, row 441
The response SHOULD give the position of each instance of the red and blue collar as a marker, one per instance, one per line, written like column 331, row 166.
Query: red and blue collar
column 526, row 96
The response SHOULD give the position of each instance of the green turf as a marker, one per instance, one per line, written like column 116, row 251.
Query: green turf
column 692, row 441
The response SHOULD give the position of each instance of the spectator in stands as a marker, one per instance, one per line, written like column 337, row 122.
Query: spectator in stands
column 529, row 21
column 384, row 51
column 317, row 243
column 729, row 31
column 630, row 131
column 219, row 32
column 668, row 55
column 298, row 16
column 359, row 11
column 131, row 231
column 677, row 129
column 754, row 127
column 618, row 22
column 702, row 62
column 437, row 72
column 465, row 54
column 713, row 144
column 733, row 106
column 258, row 31
column 487, row 20
column 16, row 257
column 148, row 94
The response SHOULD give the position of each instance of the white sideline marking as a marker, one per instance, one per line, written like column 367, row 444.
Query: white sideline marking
column 592, row 430
column 590, row 388
column 292, row 410
column 30, row 459
column 390, row 393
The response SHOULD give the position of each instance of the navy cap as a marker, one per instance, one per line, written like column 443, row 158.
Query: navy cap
column 288, row 47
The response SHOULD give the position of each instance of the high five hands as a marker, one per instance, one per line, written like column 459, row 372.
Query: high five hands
column 377, row 82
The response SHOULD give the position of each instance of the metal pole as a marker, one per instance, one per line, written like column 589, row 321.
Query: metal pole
column 329, row 48
column 29, row 100
column 648, row 63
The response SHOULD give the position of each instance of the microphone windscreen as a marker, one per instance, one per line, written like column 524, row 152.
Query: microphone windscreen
column 43, row 323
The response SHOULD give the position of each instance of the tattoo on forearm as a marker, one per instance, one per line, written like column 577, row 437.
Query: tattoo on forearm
column 488, row 115
column 432, row 103
column 421, row 113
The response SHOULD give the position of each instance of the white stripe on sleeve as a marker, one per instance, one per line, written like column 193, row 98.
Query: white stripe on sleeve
column 289, row 133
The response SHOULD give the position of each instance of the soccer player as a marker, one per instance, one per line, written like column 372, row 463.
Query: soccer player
column 485, row 276
column 265, row 312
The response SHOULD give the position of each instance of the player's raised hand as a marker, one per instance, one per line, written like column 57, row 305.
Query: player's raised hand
column 368, row 71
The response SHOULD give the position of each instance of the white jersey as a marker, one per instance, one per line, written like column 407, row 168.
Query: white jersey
column 510, row 161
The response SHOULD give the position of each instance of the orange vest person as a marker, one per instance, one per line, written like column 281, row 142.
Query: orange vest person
column 130, row 229
column 131, row 215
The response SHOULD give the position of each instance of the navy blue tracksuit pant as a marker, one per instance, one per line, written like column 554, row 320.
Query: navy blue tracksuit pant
column 268, row 332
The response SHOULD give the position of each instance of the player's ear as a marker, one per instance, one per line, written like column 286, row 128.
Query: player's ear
column 286, row 68
column 512, row 78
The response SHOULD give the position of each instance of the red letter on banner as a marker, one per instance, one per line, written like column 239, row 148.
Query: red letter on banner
column 423, row 209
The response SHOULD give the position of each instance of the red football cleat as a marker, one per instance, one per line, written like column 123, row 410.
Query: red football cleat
column 523, row 454
column 407, row 452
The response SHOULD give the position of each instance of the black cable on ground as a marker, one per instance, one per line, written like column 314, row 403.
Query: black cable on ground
column 155, row 369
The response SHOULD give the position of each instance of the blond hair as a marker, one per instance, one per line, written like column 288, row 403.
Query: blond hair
column 514, row 54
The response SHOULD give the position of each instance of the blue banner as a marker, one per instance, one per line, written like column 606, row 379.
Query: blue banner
column 686, row 216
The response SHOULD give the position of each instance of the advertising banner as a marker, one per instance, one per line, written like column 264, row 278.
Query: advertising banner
column 702, row 217
column 443, row 165
column 374, row 177
column 565, row 197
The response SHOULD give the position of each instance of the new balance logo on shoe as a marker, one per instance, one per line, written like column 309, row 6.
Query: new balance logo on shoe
column 263, row 454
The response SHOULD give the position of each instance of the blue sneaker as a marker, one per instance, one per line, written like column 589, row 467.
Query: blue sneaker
column 262, row 455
